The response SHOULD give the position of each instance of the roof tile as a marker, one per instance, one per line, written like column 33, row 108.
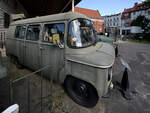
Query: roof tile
column 94, row 14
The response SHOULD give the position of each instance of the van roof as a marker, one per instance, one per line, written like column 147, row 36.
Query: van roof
column 55, row 17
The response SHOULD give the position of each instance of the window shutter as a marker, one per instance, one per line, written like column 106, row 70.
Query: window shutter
column 6, row 20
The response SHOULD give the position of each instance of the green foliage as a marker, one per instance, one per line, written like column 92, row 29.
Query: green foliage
column 141, row 42
column 142, row 22
column 147, row 3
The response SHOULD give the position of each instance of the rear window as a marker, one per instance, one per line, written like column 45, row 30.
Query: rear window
column 20, row 32
column 33, row 32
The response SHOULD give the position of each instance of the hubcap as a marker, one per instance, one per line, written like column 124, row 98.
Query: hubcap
column 81, row 90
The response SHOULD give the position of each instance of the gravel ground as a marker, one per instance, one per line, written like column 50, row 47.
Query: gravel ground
column 136, row 55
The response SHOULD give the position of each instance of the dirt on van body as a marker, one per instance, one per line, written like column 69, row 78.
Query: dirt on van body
column 55, row 99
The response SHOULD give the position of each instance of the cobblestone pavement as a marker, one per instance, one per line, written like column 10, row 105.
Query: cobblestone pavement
column 138, row 57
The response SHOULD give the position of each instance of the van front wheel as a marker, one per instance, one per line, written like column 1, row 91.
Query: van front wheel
column 81, row 92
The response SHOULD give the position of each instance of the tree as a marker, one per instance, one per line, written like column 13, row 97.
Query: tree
column 142, row 22
column 147, row 3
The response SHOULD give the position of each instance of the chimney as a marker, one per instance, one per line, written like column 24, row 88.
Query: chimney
column 136, row 4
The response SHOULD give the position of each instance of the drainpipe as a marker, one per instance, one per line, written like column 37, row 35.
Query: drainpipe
column 72, row 5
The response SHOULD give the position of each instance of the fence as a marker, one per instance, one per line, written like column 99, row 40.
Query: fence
column 32, row 92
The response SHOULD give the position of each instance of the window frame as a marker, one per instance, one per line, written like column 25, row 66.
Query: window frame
column 24, row 32
column 28, row 28
column 51, row 23
column 69, row 22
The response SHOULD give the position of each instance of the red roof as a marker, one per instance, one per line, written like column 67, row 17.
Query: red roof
column 94, row 14
column 137, row 7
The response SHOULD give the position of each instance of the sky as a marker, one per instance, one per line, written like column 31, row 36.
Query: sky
column 108, row 7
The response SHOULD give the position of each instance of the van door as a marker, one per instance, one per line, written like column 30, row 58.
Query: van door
column 32, row 46
column 51, row 54
column 20, row 36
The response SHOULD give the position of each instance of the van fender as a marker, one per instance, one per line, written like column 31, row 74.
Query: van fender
column 62, row 75
column 80, row 71
column 94, row 76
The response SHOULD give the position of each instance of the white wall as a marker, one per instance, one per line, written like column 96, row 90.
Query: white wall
column 145, row 13
column 134, row 15
column 112, row 20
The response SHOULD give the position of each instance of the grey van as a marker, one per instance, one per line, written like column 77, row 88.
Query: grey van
column 67, row 44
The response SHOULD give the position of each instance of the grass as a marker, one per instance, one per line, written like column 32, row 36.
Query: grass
column 141, row 42
column 17, row 76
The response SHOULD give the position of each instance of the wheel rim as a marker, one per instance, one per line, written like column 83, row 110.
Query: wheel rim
column 81, row 90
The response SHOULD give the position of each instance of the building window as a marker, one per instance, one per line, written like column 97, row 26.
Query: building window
column 123, row 32
column 145, row 11
column 134, row 13
column 126, row 14
column 100, row 28
column 6, row 20
column 33, row 32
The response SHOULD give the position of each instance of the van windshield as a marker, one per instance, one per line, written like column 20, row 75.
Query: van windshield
column 81, row 33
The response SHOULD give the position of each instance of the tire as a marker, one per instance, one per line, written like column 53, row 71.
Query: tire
column 81, row 92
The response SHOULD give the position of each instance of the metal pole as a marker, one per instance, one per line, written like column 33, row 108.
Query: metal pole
column 41, row 89
column 28, row 80
column 11, row 92
column 72, row 5
column 1, row 40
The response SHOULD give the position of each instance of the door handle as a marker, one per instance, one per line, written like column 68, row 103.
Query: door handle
column 41, row 48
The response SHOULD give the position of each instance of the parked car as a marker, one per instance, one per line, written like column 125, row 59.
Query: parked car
column 110, row 41
column 105, row 39
column 67, row 44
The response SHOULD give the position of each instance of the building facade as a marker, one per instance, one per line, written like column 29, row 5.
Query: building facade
column 7, row 7
column 112, row 24
column 131, row 14
column 95, row 17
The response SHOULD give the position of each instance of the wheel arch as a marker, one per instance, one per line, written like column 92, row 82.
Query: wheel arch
column 80, row 78
column 91, row 101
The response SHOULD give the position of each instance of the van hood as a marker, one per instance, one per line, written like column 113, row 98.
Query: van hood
column 101, row 55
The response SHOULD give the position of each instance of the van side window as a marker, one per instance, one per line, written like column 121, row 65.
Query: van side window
column 20, row 32
column 33, row 32
column 54, row 33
